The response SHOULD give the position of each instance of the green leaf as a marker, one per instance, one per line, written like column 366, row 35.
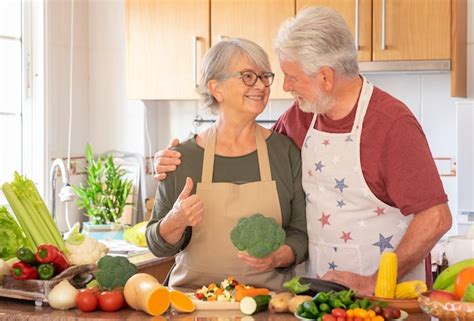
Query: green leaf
column 104, row 196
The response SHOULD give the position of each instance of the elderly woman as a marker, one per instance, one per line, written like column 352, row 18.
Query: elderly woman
column 240, row 169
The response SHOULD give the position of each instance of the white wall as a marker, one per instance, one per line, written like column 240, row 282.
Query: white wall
column 114, row 122
column 57, row 57
column 105, row 118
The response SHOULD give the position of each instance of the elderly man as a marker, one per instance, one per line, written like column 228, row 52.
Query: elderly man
column 370, row 180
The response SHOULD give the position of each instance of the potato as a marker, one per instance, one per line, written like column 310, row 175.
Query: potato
column 279, row 302
column 296, row 301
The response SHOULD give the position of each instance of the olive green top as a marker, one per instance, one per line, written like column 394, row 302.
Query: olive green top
column 285, row 163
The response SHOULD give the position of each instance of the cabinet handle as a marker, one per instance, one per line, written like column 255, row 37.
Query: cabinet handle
column 383, row 25
column 222, row 37
column 195, row 41
column 356, row 27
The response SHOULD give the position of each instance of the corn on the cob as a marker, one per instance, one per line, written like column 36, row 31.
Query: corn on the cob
column 387, row 276
column 410, row 289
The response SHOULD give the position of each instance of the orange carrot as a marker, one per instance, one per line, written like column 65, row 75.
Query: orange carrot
column 241, row 292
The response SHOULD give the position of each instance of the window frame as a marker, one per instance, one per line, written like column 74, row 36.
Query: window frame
column 32, row 114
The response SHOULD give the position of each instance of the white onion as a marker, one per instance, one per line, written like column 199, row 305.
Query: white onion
column 63, row 296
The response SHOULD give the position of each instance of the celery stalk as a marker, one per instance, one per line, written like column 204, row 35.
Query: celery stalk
column 47, row 217
column 21, row 215
column 37, row 222
column 26, row 191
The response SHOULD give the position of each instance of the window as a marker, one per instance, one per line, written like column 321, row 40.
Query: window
column 20, row 110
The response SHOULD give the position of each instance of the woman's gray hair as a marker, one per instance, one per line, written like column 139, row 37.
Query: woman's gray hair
column 317, row 37
column 220, row 57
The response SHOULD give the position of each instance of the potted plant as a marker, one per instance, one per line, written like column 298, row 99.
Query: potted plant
column 103, row 196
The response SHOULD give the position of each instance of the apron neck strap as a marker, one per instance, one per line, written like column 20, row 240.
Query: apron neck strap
column 209, row 153
column 362, row 105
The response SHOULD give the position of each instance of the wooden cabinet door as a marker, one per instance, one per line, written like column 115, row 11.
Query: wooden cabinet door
column 166, row 40
column 358, row 15
column 256, row 20
column 411, row 29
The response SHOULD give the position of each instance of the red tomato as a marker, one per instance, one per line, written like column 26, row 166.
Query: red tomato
column 339, row 313
column 464, row 277
column 110, row 301
column 94, row 290
column 329, row 317
column 86, row 301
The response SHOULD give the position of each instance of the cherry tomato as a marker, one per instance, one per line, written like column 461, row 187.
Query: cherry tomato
column 86, row 301
column 94, row 290
column 329, row 317
column 361, row 313
column 199, row 296
column 110, row 301
column 339, row 313
column 464, row 277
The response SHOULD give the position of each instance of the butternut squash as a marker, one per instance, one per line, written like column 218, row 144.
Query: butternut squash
column 181, row 302
column 143, row 292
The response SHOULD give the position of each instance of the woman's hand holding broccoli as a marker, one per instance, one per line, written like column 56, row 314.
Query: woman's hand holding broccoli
column 260, row 241
column 280, row 258
column 188, row 210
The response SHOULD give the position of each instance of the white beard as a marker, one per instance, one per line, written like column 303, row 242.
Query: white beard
column 322, row 104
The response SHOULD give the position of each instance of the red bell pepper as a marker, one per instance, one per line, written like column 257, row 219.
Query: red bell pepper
column 48, row 253
column 24, row 271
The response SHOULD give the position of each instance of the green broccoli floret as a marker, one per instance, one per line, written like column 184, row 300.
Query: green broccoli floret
column 258, row 235
column 114, row 271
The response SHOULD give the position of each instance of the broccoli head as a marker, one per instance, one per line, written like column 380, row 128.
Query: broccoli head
column 114, row 271
column 258, row 235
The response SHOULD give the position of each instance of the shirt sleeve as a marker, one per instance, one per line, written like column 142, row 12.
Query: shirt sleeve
column 163, row 205
column 279, row 126
column 296, row 232
column 411, row 177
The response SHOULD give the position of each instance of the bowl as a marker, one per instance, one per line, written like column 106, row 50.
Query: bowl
column 455, row 310
column 410, row 306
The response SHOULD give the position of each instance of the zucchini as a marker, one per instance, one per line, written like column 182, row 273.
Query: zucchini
column 251, row 305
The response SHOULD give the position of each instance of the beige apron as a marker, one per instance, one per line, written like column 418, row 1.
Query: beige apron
column 210, row 255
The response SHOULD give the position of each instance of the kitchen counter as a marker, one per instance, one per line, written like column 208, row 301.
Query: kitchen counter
column 11, row 309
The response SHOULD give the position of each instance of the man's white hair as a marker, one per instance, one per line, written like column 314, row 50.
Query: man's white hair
column 317, row 37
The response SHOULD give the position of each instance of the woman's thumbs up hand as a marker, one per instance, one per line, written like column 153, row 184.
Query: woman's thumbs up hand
column 188, row 209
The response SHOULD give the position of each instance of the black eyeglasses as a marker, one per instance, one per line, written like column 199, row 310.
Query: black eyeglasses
column 250, row 77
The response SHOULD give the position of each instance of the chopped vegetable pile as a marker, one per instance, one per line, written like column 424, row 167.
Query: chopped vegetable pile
column 212, row 292
column 229, row 291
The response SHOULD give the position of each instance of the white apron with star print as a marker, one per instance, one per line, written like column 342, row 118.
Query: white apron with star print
column 348, row 226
